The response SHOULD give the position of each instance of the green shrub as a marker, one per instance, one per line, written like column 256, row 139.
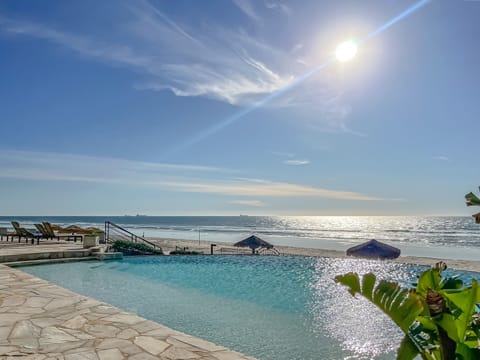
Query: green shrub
column 439, row 316
column 120, row 245
column 185, row 252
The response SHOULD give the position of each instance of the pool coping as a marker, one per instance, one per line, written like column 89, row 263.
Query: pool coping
column 40, row 320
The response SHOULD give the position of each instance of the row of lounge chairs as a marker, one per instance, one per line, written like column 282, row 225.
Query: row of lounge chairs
column 46, row 230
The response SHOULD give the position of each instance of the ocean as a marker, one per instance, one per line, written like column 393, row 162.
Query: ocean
column 452, row 237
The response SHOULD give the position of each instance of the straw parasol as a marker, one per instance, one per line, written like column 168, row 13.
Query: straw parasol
column 374, row 249
column 76, row 229
column 253, row 242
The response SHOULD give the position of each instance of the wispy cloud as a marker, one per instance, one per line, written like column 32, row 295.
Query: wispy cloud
column 254, row 203
column 203, row 59
column 291, row 161
column 294, row 162
column 258, row 187
column 41, row 166
column 206, row 60
column 115, row 54
column 247, row 8
column 441, row 158
column 221, row 64
column 264, row 188
column 278, row 5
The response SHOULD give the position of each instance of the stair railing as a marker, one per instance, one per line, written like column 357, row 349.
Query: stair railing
column 115, row 232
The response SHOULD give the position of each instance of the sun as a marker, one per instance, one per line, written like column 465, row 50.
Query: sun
column 346, row 50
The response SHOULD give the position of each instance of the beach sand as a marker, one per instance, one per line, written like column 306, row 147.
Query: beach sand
column 204, row 246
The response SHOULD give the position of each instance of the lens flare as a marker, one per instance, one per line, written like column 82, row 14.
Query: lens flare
column 346, row 51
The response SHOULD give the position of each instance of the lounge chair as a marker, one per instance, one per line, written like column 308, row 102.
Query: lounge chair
column 44, row 232
column 22, row 232
column 51, row 233
column 16, row 231
column 19, row 231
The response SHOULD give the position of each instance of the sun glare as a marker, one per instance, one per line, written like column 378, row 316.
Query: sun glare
column 346, row 51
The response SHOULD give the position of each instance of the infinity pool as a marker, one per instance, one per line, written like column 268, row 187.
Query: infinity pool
column 273, row 308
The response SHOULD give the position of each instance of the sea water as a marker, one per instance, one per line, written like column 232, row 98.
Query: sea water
column 273, row 308
column 444, row 237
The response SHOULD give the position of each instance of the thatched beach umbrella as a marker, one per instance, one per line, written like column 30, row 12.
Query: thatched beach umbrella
column 253, row 242
column 75, row 229
column 374, row 249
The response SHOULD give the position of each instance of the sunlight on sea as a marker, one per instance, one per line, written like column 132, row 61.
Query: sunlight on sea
column 453, row 237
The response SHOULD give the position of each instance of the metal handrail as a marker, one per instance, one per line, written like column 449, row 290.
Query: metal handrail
column 266, row 251
column 126, row 233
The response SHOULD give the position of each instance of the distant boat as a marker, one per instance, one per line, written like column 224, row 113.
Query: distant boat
column 241, row 215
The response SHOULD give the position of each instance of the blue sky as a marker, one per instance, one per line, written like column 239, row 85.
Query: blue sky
column 187, row 107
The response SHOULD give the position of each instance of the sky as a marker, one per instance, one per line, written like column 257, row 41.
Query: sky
column 221, row 107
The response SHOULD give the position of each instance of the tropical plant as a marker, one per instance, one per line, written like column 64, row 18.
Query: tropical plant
column 439, row 316
column 472, row 200
column 185, row 252
column 129, row 246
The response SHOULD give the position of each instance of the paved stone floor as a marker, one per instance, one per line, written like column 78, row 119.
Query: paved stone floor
column 39, row 321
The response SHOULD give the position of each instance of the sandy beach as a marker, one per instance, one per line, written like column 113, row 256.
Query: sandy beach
column 169, row 244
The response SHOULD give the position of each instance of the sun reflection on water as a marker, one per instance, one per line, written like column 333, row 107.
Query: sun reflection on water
column 361, row 328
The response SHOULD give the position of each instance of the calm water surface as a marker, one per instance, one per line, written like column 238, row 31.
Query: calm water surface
column 273, row 308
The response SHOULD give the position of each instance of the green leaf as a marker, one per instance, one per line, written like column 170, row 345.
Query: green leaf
column 429, row 279
column 471, row 339
column 407, row 349
column 451, row 283
column 368, row 283
column 463, row 352
column 424, row 334
column 401, row 305
column 465, row 301
column 472, row 199
column 449, row 324
column 351, row 281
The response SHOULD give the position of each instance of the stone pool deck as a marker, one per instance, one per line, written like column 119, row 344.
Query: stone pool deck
column 17, row 254
column 11, row 252
column 39, row 321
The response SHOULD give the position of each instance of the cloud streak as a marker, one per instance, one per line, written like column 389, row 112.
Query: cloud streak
column 41, row 166
column 254, row 203
column 441, row 158
column 278, row 5
column 257, row 187
column 246, row 7
column 293, row 162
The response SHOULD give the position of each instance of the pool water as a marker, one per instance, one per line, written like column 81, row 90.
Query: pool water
column 272, row 308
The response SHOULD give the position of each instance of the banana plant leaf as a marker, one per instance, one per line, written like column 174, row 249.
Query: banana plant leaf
column 472, row 199
column 411, row 309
